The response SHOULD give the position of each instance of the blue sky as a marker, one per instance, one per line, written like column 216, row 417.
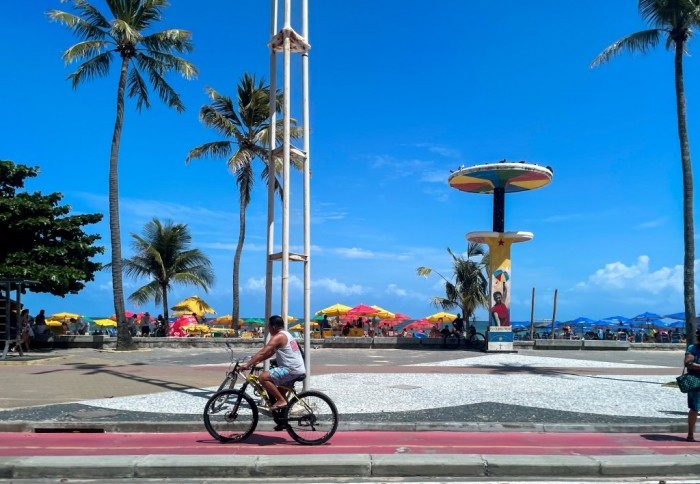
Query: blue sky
column 401, row 92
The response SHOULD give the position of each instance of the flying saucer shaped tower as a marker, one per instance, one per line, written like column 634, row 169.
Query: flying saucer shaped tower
column 498, row 179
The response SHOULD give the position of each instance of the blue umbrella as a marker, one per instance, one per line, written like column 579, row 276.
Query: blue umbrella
column 581, row 320
column 680, row 316
column 646, row 317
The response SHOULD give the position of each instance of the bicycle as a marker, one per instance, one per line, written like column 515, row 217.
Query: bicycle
column 231, row 415
column 455, row 338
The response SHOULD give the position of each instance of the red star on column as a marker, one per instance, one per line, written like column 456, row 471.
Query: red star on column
column 500, row 241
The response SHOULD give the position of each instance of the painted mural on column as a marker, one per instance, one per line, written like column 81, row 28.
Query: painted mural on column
column 499, row 312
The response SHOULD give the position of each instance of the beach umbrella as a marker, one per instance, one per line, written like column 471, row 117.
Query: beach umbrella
column 106, row 322
column 64, row 316
column 334, row 310
column 53, row 322
column 226, row 319
column 254, row 321
column 127, row 314
column 419, row 324
column 194, row 304
column 446, row 317
column 680, row 316
column 383, row 313
column 362, row 310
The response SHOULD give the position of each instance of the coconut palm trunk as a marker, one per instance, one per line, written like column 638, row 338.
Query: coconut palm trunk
column 688, row 224
column 235, row 313
column 123, row 334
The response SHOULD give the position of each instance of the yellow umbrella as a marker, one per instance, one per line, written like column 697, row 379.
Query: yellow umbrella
column 446, row 317
column 383, row 313
column 63, row 316
column 300, row 326
column 194, row 304
column 291, row 319
column 53, row 322
column 335, row 310
column 227, row 319
column 106, row 322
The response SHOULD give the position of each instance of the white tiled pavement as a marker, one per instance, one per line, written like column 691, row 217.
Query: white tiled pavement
column 618, row 395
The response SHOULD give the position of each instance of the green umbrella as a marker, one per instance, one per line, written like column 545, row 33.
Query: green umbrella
column 254, row 321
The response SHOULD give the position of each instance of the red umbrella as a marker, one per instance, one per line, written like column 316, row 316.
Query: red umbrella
column 420, row 324
column 362, row 310
column 127, row 314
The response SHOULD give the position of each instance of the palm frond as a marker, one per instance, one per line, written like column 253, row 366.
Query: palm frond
column 85, row 49
column 124, row 32
column 215, row 149
column 155, row 69
column 225, row 125
column 83, row 29
column 638, row 42
column 96, row 67
column 137, row 88
column 91, row 14
column 169, row 40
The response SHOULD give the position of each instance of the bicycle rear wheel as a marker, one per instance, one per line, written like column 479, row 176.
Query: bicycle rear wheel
column 451, row 341
column 230, row 416
column 311, row 418
column 478, row 341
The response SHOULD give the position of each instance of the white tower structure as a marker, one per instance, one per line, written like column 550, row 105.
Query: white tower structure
column 287, row 41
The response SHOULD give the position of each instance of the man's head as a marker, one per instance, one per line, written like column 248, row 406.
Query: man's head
column 497, row 296
column 276, row 324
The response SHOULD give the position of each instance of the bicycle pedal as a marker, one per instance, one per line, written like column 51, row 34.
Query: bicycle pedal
column 279, row 427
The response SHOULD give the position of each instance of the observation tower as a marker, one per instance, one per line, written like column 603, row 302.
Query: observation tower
column 498, row 179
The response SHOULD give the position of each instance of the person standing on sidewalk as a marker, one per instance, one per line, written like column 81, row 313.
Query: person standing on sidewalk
column 692, row 365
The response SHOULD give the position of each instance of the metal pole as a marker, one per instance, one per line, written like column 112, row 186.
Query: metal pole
column 307, row 191
column 271, row 171
column 285, row 165
column 554, row 314
column 532, row 316
column 499, row 209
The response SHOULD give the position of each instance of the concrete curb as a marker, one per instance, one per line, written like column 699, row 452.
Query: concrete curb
column 356, row 465
column 344, row 426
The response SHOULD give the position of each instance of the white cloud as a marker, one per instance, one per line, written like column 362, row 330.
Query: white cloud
column 395, row 290
column 635, row 278
column 652, row 224
column 357, row 253
column 257, row 284
column 335, row 287
column 354, row 253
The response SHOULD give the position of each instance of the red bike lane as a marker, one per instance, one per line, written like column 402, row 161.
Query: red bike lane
column 15, row 444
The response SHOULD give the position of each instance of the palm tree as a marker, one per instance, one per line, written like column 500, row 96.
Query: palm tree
column 674, row 21
column 163, row 255
column 248, row 130
column 151, row 55
column 469, row 289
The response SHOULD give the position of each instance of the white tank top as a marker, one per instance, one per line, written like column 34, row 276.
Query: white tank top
column 289, row 356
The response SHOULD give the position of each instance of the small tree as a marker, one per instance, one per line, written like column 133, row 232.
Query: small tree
column 164, row 256
column 40, row 241
column 469, row 288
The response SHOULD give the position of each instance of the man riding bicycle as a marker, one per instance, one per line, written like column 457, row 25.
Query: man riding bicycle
column 290, row 363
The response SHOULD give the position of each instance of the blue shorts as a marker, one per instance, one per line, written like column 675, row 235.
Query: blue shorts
column 281, row 376
column 694, row 401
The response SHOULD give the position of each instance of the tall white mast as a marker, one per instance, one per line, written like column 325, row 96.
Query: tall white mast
column 287, row 41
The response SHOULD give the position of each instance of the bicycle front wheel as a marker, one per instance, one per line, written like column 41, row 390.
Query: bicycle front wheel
column 311, row 418
column 230, row 416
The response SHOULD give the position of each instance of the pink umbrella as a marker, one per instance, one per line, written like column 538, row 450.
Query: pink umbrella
column 176, row 328
column 362, row 310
